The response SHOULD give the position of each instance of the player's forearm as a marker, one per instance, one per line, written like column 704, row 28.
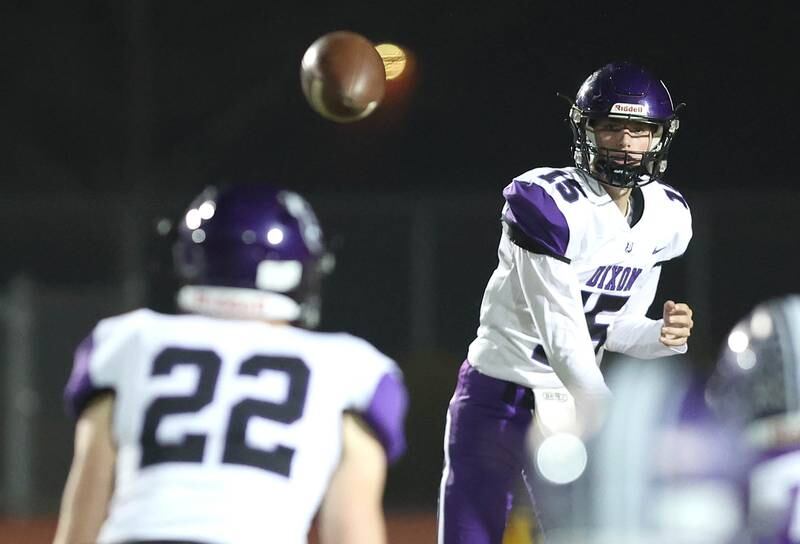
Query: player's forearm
column 639, row 337
column 360, row 527
column 84, row 505
column 569, row 350
column 351, row 514
column 580, row 374
column 80, row 519
column 553, row 296
column 90, row 483
column 352, row 511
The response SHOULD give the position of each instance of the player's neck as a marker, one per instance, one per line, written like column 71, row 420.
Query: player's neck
column 277, row 322
column 620, row 196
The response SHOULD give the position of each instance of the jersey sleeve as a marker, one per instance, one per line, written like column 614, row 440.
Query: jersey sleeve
column 378, row 394
column 633, row 333
column 535, row 221
column 552, row 294
column 678, row 217
column 99, row 359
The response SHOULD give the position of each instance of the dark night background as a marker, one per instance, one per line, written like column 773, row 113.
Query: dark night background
column 174, row 94
column 114, row 114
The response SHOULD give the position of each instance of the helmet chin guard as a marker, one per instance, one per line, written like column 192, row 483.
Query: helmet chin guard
column 626, row 92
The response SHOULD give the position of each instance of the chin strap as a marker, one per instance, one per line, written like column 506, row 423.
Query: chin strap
column 237, row 303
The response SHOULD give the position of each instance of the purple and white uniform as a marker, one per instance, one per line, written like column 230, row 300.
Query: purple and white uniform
column 774, row 484
column 226, row 430
column 575, row 278
column 756, row 386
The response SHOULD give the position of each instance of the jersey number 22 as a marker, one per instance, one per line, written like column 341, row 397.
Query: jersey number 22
column 191, row 447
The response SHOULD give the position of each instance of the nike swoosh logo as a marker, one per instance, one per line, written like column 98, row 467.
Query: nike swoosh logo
column 658, row 249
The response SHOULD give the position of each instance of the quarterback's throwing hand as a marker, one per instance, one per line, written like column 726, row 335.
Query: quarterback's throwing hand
column 678, row 324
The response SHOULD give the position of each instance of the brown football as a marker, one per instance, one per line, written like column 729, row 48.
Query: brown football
column 343, row 76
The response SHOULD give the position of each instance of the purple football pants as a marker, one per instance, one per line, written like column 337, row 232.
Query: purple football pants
column 484, row 453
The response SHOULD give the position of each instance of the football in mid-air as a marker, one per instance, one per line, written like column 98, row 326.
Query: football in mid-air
column 343, row 76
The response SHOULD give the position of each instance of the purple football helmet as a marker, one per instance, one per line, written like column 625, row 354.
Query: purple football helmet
column 663, row 469
column 623, row 91
column 251, row 251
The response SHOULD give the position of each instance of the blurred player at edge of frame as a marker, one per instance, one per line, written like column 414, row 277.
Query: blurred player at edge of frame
column 663, row 470
column 232, row 422
column 756, row 385
column 579, row 261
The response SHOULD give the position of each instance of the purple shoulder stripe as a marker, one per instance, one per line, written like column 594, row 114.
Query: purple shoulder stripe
column 534, row 215
column 386, row 415
column 80, row 389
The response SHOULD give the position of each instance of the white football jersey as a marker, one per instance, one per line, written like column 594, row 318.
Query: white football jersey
column 575, row 278
column 229, row 431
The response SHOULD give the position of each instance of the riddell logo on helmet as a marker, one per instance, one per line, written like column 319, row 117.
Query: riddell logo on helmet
column 629, row 109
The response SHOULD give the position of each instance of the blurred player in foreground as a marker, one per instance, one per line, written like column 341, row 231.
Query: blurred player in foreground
column 757, row 385
column 579, row 261
column 666, row 468
column 663, row 470
column 229, row 424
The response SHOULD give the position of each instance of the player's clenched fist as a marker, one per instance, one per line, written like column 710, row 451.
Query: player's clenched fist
column 678, row 324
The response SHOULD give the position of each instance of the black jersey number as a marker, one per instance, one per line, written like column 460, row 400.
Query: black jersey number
column 569, row 189
column 279, row 459
column 191, row 447
column 598, row 308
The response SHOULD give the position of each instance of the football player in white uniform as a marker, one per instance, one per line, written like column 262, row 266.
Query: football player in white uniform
column 756, row 384
column 663, row 469
column 579, row 261
column 229, row 424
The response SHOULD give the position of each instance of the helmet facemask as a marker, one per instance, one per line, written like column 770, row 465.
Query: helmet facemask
column 617, row 167
column 626, row 92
